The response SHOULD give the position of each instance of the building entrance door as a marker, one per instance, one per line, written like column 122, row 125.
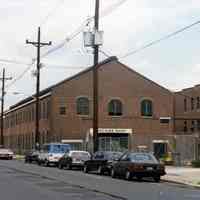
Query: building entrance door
column 113, row 143
column 160, row 149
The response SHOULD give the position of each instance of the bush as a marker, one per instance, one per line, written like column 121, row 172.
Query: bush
column 196, row 163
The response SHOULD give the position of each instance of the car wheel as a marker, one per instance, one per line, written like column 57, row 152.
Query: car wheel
column 60, row 166
column 100, row 170
column 156, row 179
column 85, row 169
column 46, row 163
column 68, row 166
column 39, row 162
column 139, row 178
column 113, row 173
column 128, row 175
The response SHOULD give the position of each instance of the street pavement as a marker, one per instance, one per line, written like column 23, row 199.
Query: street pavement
column 185, row 175
column 28, row 182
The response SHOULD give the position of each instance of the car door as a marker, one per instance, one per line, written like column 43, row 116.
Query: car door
column 123, row 164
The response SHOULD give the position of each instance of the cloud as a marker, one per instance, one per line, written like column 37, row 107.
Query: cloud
column 131, row 25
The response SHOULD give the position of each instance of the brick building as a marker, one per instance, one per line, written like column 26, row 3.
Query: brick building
column 187, row 120
column 130, row 108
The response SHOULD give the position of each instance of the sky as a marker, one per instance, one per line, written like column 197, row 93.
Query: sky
column 174, row 63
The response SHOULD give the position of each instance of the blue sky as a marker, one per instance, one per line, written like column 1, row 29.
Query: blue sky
column 174, row 63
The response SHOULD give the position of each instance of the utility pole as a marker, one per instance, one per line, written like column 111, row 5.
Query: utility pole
column 3, row 79
column 38, row 44
column 95, row 80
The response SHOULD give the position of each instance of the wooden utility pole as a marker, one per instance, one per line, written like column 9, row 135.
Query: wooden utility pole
column 95, row 81
column 3, row 79
column 38, row 44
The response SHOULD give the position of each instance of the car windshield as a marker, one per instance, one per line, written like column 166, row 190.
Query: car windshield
column 59, row 148
column 113, row 155
column 80, row 155
column 143, row 158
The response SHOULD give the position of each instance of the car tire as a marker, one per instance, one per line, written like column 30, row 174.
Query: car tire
column 60, row 166
column 113, row 173
column 139, row 178
column 156, row 179
column 85, row 169
column 100, row 170
column 46, row 163
column 68, row 167
column 128, row 175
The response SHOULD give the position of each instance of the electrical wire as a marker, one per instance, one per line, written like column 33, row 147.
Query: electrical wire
column 159, row 40
column 13, row 62
column 51, row 12
column 21, row 75
column 79, row 30
column 68, row 38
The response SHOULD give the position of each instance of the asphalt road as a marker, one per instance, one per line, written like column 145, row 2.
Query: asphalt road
column 32, row 182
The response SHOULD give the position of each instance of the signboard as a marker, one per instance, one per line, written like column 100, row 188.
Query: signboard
column 113, row 130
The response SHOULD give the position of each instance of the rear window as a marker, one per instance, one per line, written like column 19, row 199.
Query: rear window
column 59, row 148
column 113, row 155
column 80, row 155
column 143, row 158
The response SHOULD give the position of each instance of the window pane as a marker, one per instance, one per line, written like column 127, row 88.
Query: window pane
column 115, row 108
column 146, row 108
column 83, row 106
column 62, row 110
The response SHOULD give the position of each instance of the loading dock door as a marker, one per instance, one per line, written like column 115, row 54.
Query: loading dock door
column 160, row 149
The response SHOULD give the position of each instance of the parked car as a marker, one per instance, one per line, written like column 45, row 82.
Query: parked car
column 138, row 165
column 6, row 154
column 31, row 156
column 102, row 162
column 52, row 152
column 74, row 159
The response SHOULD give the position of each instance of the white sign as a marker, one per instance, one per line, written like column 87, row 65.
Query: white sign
column 113, row 130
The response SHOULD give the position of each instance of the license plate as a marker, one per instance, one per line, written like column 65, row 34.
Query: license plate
column 149, row 168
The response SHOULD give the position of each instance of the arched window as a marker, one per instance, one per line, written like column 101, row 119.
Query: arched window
column 115, row 107
column 83, row 106
column 146, row 108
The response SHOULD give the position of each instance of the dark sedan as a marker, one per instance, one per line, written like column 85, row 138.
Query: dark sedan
column 31, row 156
column 102, row 162
column 138, row 165
column 73, row 159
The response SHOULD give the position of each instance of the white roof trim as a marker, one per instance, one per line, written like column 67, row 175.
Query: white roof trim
column 27, row 103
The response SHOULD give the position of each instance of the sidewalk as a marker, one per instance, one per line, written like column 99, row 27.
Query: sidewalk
column 184, row 175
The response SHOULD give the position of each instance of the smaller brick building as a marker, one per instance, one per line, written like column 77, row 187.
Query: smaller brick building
column 130, row 108
column 187, row 120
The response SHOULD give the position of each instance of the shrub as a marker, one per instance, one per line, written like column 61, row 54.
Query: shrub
column 195, row 163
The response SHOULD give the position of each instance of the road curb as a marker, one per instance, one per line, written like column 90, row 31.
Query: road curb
column 182, row 183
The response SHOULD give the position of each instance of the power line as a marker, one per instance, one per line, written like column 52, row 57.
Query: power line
column 79, row 30
column 50, row 14
column 67, row 39
column 159, row 40
column 13, row 62
column 19, row 77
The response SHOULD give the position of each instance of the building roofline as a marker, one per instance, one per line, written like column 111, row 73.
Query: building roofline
column 144, row 77
column 49, row 89
column 108, row 60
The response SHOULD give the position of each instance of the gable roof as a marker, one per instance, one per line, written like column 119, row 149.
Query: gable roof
column 108, row 60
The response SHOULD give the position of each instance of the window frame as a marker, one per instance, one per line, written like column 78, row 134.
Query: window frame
column 80, row 109
column 116, row 112
column 142, row 112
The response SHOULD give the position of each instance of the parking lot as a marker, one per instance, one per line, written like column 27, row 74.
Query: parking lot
column 38, row 182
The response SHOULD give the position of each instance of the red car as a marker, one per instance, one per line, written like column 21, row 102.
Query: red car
column 138, row 165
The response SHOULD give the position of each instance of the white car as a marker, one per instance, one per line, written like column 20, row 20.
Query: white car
column 52, row 152
column 74, row 159
column 6, row 154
